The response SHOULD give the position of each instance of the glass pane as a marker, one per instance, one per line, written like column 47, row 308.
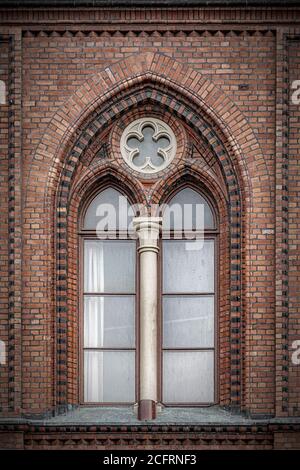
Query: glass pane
column 188, row 377
column 109, row 322
column 188, row 322
column 109, row 266
column 188, row 210
column 109, row 376
column 188, row 270
column 148, row 147
column 108, row 207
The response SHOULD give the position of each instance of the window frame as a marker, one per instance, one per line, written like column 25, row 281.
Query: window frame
column 212, row 233
column 209, row 234
column 88, row 234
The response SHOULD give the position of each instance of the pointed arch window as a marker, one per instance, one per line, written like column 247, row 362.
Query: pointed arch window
column 186, row 294
column 109, row 301
column 188, row 300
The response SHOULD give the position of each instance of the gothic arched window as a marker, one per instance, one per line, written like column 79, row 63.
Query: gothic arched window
column 109, row 301
column 118, row 305
column 188, row 300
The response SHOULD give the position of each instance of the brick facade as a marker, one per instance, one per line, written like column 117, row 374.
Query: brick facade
column 221, row 78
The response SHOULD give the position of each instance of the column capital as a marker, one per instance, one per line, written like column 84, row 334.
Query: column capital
column 153, row 223
column 147, row 230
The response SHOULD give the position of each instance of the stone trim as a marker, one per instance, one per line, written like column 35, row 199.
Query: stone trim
column 177, row 133
column 135, row 129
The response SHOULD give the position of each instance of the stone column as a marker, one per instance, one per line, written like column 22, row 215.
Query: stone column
column 147, row 229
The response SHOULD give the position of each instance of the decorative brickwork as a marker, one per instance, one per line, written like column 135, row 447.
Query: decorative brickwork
column 14, row 223
column 4, row 254
column 259, row 437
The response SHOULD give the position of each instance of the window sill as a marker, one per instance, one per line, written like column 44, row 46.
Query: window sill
column 118, row 415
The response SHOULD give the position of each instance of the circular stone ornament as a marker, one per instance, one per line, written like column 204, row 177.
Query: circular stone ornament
column 148, row 145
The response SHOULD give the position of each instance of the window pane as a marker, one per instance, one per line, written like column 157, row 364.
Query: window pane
column 109, row 322
column 188, row 270
column 188, row 377
column 109, row 266
column 109, row 376
column 108, row 205
column 188, row 322
column 148, row 148
column 183, row 212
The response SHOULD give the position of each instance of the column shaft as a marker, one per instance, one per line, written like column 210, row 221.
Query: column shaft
column 148, row 232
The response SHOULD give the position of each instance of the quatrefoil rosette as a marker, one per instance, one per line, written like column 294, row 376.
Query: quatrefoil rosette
column 148, row 153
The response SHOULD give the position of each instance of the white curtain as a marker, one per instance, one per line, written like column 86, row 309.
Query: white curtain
column 94, row 325
column 93, row 376
column 109, row 376
column 94, row 266
column 94, row 333
column 109, row 321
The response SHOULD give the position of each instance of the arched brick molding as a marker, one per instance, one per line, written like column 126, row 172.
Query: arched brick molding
column 96, row 104
column 213, row 142
column 67, row 124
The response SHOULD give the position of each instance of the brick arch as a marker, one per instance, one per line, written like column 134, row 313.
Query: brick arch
column 111, row 172
column 194, row 174
column 78, row 120
column 81, row 144
column 69, row 121
column 64, row 197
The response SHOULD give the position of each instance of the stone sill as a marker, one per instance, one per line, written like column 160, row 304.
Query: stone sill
column 116, row 416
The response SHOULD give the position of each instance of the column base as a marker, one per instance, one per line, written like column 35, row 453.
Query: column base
column 146, row 410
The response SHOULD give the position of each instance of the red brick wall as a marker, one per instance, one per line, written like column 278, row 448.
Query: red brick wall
column 54, row 67
column 232, row 69
column 287, row 441
column 46, row 86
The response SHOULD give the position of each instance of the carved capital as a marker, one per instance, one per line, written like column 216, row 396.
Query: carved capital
column 148, row 230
